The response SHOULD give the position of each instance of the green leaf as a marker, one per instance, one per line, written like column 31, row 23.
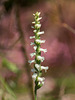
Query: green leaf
column 7, row 88
column 9, row 65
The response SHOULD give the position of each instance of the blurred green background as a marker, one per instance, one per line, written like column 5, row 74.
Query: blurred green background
column 58, row 22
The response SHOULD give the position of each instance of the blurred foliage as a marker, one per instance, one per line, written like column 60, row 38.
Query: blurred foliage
column 9, row 65
column 68, row 83
column 64, row 85
column 6, row 88
column 23, row 3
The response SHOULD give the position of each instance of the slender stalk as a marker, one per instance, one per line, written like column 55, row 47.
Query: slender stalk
column 35, row 93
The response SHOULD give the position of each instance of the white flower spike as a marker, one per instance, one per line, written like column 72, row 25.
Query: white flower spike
column 37, row 70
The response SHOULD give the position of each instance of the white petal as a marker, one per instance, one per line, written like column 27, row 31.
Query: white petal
column 32, row 26
column 44, row 68
column 39, row 18
column 39, row 33
column 39, row 13
column 32, row 43
column 40, row 58
column 37, row 25
column 37, row 66
column 33, row 22
column 41, row 79
column 44, row 50
column 31, row 61
column 31, row 37
column 32, row 54
column 33, row 70
column 42, row 83
column 35, row 47
column 34, row 76
column 40, row 41
column 35, row 31
column 33, row 14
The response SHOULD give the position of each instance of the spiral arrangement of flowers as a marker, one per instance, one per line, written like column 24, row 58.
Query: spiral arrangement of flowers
column 37, row 70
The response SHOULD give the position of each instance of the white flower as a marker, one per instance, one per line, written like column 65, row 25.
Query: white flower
column 44, row 50
column 32, row 54
column 44, row 68
column 35, row 31
column 41, row 79
column 40, row 58
column 37, row 25
column 33, row 14
column 35, row 47
column 33, row 70
column 39, row 33
column 37, row 66
column 39, row 83
column 34, row 76
column 31, row 61
column 33, row 22
column 32, row 26
column 40, row 41
column 38, row 13
column 32, row 43
column 41, row 67
column 31, row 37
column 39, row 18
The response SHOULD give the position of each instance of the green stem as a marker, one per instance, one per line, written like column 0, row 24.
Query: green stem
column 35, row 93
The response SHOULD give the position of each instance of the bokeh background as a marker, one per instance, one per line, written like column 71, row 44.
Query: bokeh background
column 58, row 22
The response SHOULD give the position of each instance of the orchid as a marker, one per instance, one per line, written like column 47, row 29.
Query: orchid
column 37, row 70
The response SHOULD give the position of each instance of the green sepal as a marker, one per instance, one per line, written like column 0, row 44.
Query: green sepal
column 39, row 86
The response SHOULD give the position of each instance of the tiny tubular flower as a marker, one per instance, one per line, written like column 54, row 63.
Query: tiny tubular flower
column 34, row 76
column 32, row 43
column 35, row 31
column 32, row 26
column 39, row 33
column 44, row 68
column 39, row 18
column 44, row 50
column 33, row 22
column 32, row 37
column 37, row 66
column 33, row 14
column 40, row 58
column 33, row 70
column 35, row 47
column 41, row 79
column 40, row 41
column 32, row 54
column 37, row 25
column 38, row 13
column 41, row 67
column 31, row 61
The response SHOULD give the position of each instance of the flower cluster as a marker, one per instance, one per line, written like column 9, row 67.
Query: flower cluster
column 37, row 70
